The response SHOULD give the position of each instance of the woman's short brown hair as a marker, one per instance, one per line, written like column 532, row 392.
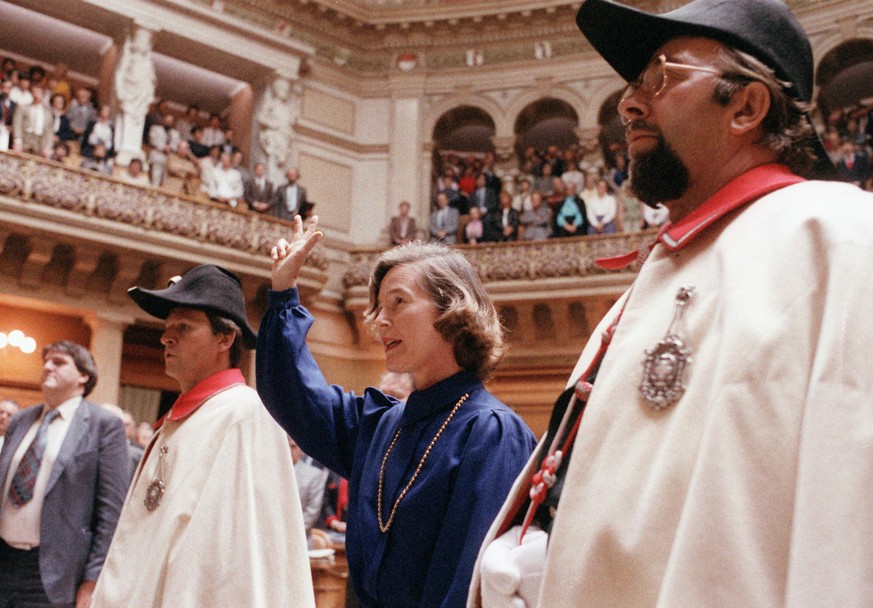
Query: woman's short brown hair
column 466, row 316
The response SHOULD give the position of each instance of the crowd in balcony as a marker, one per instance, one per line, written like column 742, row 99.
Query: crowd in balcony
column 555, row 194
column 43, row 114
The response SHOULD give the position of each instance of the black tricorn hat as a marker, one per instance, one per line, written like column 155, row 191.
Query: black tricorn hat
column 628, row 38
column 207, row 287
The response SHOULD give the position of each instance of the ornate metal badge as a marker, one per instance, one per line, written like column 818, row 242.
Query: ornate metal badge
column 155, row 491
column 664, row 365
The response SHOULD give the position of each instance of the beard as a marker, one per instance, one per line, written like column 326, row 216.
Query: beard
column 658, row 175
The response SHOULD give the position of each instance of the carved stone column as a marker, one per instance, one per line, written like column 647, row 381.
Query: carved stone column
column 107, row 341
column 404, row 141
column 134, row 92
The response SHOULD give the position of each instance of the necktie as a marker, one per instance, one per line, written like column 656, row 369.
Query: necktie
column 21, row 489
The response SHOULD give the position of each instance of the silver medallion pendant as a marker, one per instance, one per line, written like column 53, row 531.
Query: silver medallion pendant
column 154, row 494
column 664, row 365
column 155, row 491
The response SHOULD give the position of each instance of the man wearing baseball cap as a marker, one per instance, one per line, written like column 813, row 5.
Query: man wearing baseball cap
column 209, row 519
column 725, row 453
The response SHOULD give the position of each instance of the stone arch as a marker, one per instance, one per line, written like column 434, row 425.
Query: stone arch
column 844, row 75
column 531, row 96
column 487, row 106
column 545, row 121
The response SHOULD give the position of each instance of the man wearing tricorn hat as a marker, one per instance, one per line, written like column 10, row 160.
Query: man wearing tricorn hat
column 206, row 521
column 724, row 454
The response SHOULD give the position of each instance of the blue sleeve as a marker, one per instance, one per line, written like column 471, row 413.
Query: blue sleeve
column 497, row 450
column 323, row 419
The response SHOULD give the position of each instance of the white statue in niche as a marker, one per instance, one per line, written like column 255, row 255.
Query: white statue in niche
column 134, row 91
column 275, row 121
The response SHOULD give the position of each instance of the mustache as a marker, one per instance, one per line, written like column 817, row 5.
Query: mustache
column 639, row 124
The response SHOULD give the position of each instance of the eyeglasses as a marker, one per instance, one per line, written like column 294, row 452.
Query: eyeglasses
column 653, row 80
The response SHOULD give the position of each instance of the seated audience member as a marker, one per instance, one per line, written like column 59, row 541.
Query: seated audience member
column 334, row 505
column 630, row 215
column 155, row 117
column 163, row 139
column 290, row 198
column 134, row 452
column 183, row 172
column 8, row 68
column 402, row 226
column 213, row 135
column 590, row 189
column 654, row 217
column 618, row 173
column 134, row 173
column 502, row 224
column 447, row 183
column 570, row 219
column 536, row 222
column 544, row 183
column 191, row 119
column 521, row 200
column 238, row 161
column 61, row 84
column 207, row 170
column 853, row 165
column 81, row 113
column 7, row 113
column 61, row 154
column 61, row 130
column 144, row 434
column 229, row 145
column 559, row 192
column 474, row 231
column 571, row 171
column 8, row 408
column 467, row 182
column 483, row 197
column 311, row 480
column 100, row 131
column 198, row 148
column 37, row 75
column 601, row 210
column 258, row 190
column 21, row 92
column 444, row 221
column 32, row 126
column 98, row 161
column 227, row 186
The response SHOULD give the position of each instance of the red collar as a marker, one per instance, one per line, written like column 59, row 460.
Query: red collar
column 189, row 402
column 740, row 191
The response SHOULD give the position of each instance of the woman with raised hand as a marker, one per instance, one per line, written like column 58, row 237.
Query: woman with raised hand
column 427, row 477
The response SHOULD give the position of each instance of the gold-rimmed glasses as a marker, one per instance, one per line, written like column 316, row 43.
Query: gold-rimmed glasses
column 654, row 78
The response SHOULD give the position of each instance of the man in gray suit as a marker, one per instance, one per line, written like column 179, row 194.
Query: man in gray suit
column 290, row 198
column 65, row 472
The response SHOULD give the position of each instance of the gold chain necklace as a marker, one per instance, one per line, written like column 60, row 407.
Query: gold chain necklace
column 387, row 526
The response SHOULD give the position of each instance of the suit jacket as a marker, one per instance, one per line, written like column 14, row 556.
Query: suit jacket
column 394, row 230
column 280, row 208
column 83, row 497
column 448, row 224
column 25, row 116
column 252, row 193
column 494, row 226
column 7, row 111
